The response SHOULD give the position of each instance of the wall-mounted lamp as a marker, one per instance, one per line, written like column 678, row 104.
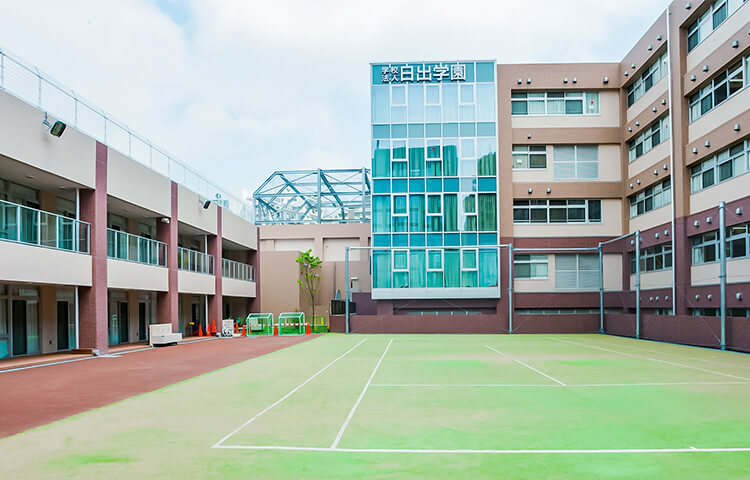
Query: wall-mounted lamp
column 695, row 149
column 737, row 127
column 692, row 78
column 565, row 80
column 663, row 101
column 688, row 6
column 665, row 166
column 738, row 211
column 575, row 80
column 736, row 44
column 653, row 109
column 738, row 296
column 705, row 68
column 650, row 47
column 549, row 190
column 630, row 129
column 528, row 136
column 165, row 220
column 656, row 171
column 709, row 219
column 709, row 297
column 631, row 185
column 520, row 81
column 528, row 80
column 697, row 223
column 637, row 123
column 666, row 233
column 55, row 129
column 658, row 38
column 605, row 80
column 707, row 144
column 530, row 190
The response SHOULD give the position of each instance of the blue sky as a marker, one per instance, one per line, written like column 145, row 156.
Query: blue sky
column 240, row 88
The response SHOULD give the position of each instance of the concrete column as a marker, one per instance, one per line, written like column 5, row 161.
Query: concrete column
column 93, row 299
column 167, row 302
column 215, row 302
column 48, row 318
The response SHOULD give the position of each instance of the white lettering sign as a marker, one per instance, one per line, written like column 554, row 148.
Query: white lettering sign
column 424, row 73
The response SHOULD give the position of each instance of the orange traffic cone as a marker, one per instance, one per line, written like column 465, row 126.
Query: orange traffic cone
column 308, row 329
column 275, row 329
column 244, row 332
column 213, row 329
column 200, row 330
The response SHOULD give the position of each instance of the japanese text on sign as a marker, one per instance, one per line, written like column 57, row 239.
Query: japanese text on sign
column 423, row 73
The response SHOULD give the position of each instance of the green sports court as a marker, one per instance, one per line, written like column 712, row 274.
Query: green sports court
column 420, row 406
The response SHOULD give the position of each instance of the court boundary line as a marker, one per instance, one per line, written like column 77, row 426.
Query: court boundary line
column 487, row 451
column 526, row 365
column 359, row 399
column 684, row 357
column 534, row 385
column 667, row 362
column 257, row 415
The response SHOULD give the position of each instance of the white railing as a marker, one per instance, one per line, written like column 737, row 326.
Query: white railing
column 237, row 270
column 195, row 261
column 27, row 83
column 126, row 246
column 36, row 227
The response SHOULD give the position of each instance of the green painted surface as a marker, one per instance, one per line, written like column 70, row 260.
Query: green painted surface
column 430, row 392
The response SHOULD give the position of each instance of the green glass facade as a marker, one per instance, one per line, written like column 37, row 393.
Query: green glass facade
column 434, row 169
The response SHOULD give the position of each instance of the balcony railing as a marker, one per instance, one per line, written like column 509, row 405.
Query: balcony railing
column 237, row 270
column 125, row 246
column 36, row 227
column 195, row 261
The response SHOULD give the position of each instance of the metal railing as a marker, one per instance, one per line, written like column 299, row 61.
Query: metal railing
column 237, row 270
column 126, row 246
column 195, row 261
column 36, row 227
column 29, row 84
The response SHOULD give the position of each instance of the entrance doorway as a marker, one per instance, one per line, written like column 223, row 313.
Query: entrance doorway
column 63, row 320
column 142, row 324
column 123, row 323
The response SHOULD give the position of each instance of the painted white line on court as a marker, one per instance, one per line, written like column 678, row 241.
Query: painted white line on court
column 691, row 358
column 653, row 359
column 534, row 385
column 46, row 364
column 361, row 396
column 217, row 444
column 526, row 365
column 482, row 451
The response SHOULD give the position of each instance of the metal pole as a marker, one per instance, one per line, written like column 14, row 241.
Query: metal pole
column 346, row 296
column 723, row 272
column 320, row 179
column 601, row 290
column 510, row 288
column 637, row 284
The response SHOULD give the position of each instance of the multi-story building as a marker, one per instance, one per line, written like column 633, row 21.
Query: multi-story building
column 557, row 157
column 95, row 242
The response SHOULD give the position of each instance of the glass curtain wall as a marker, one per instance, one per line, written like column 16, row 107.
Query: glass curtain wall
column 434, row 164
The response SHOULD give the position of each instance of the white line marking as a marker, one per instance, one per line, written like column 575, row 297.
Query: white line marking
column 46, row 364
column 526, row 365
column 478, row 451
column 690, row 358
column 361, row 396
column 653, row 359
column 534, row 385
column 217, row 444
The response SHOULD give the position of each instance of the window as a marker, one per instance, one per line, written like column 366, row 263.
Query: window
column 651, row 198
column 726, row 164
column 651, row 137
column 576, row 161
column 554, row 103
column 710, row 20
column 400, row 214
column 577, row 272
column 530, row 266
column 434, row 213
column 706, row 246
column 654, row 259
column 655, row 72
column 469, row 268
column 400, row 269
column 723, row 85
column 529, row 156
column 557, row 211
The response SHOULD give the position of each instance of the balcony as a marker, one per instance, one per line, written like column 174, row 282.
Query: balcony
column 237, row 270
column 35, row 227
column 125, row 246
column 194, row 261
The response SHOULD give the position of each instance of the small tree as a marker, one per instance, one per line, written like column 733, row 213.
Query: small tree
column 309, row 265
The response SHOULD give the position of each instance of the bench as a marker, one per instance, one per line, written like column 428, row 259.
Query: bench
column 161, row 334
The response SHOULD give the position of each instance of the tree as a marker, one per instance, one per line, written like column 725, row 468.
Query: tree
column 309, row 266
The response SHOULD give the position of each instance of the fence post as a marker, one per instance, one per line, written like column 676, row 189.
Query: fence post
column 346, row 279
column 723, row 272
column 601, row 289
column 510, row 288
column 637, row 284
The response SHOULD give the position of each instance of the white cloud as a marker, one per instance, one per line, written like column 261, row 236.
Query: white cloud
column 242, row 88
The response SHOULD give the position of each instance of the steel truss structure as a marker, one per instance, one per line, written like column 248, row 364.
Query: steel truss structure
column 314, row 196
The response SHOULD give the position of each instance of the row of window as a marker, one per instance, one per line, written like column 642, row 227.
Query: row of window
column 434, row 213
column 578, row 271
column 716, row 312
column 651, row 198
column 570, row 161
column 438, row 268
column 710, row 20
column 722, row 86
column 555, row 103
column 477, row 157
column 652, row 136
column 655, row 72
column 706, row 246
column 557, row 211
column 654, row 259
column 729, row 163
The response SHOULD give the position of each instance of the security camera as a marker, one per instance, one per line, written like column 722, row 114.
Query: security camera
column 206, row 204
column 55, row 129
